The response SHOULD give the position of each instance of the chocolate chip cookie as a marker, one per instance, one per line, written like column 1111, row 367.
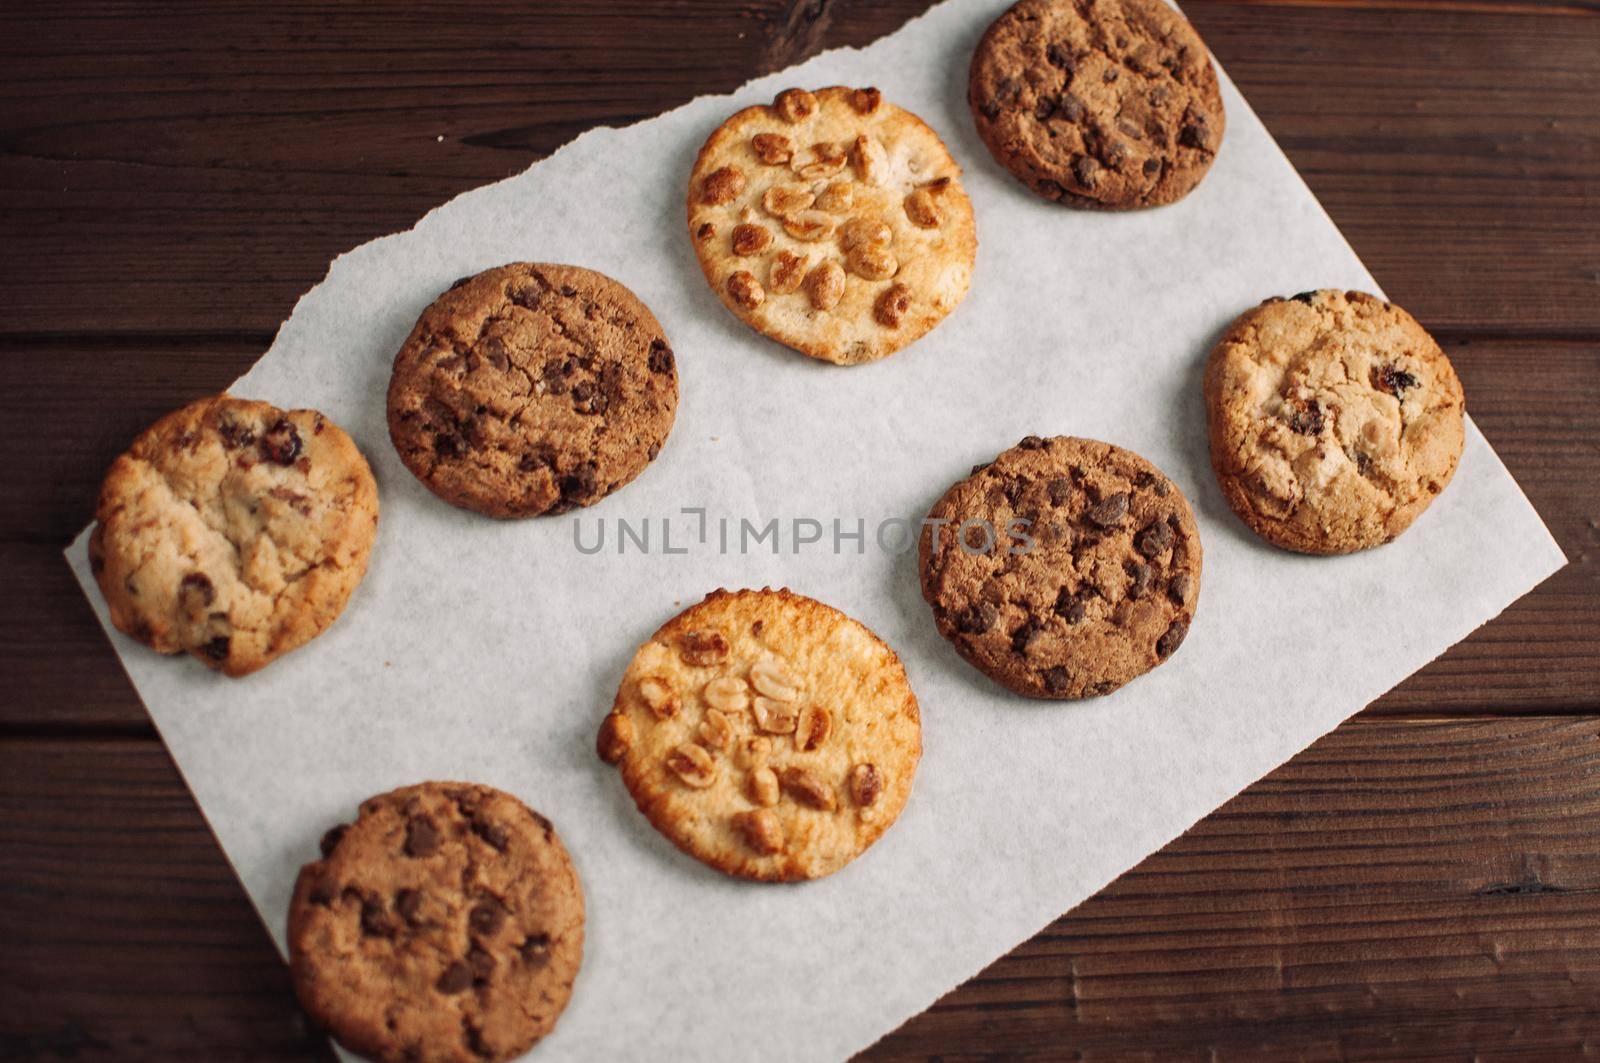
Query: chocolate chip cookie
column 1064, row 568
column 445, row 924
column 766, row 734
column 1335, row 420
column 532, row 389
column 233, row 531
column 1098, row 103
column 833, row 222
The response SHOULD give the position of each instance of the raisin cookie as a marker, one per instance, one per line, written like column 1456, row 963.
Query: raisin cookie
column 531, row 389
column 1062, row 569
column 766, row 734
column 1335, row 419
column 833, row 222
column 1098, row 103
column 233, row 531
column 445, row 924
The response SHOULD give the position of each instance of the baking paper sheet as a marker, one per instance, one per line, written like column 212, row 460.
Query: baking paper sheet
column 489, row 651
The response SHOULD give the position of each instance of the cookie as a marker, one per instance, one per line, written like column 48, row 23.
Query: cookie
column 532, row 389
column 1108, row 104
column 1335, row 420
column 766, row 734
column 445, row 924
column 1062, row 569
column 833, row 222
column 233, row 531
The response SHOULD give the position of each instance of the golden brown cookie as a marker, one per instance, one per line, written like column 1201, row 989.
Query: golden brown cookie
column 766, row 734
column 532, row 388
column 1335, row 419
column 445, row 924
column 233, row 531
column 1064, row 568
column 833, row 222
column 1098, row 103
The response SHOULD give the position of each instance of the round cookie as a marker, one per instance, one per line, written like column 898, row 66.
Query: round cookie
column 233, row 531
column 1335, row 419
column 445, row 924
column 833, row 222
column 532, row 388
column 1098, row 103
column 1062, row 569
column 766, row 734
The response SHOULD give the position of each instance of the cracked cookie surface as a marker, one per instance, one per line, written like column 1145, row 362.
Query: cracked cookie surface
column 233, row 531
column 1062, row 569
column 445, row 924
column 1334, row 418
column 766, row 734
column 1108, row 104
column 532, row 388
column 833, row 222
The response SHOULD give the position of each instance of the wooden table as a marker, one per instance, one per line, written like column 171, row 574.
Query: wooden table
column 1423, row 882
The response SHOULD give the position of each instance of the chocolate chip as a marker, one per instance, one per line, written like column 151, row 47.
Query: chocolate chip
column 1024, row 635
column 1060, row 490
column 706, row 231
column 1151, row 167
column 281, row 443
column 977, row 619
column 1013, row 489
column 1060, row 56
column 477, row 1043
column 1195, row 134
column 481, row 962
column 1304, row 297
column 1044, row 108
column 976, row 469
column 1178, row 589
column 1070, row 606
column 330, row 840
column 217, row 648
column 197, row 585
column 235, row 435
column 990, row 108
column 1141, row 579
column 487, row 918
column 653, row 453
column 1057, row 679
column 580, row 484
column 493, row 834
column 1087, row 170
column 536, row 950
column 1115, row 154
column 1070, row 108
column 661, row 360
column 1111, row 74
column 409, row 904
column 455, row 978
column 1110, row 512
column 1155, row 539
column 375, row 922
column 1393, row 380
column 1031, row 443
column 568, row 290
column 1172, row 638
column 459, row 282
column 422, row 836
column 589, row 397
column 1307, row 420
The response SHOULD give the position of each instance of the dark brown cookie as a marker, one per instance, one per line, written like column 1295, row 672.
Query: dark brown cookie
column 1063, row 568
column 445, row 924
column 532, row 389
column 1098, row 103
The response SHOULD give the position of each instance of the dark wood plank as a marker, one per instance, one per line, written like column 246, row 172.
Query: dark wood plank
column 1398, row 889
column 1538, row 402
column 203, row 185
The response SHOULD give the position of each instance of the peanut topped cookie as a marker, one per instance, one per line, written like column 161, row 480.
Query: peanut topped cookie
column 766, row 734
column 233, row 531
column 1098, row 103
column 445, row 924
column 531, row 389
column 1064, row 568
column 833, row 222
column 1335, row 420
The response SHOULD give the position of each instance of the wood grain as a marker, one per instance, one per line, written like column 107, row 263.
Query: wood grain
column 201, row 187
column 1399, row 889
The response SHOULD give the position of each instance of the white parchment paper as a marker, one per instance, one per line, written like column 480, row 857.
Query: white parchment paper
column 489, row 651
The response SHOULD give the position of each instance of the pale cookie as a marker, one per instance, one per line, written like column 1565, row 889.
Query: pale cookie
column 233, row 531
column 532, row 388
column 1335, row 420
column 445, row 924
column 766, row 734
column 1064, row 568
column 1110, row 104
column 833, row 222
